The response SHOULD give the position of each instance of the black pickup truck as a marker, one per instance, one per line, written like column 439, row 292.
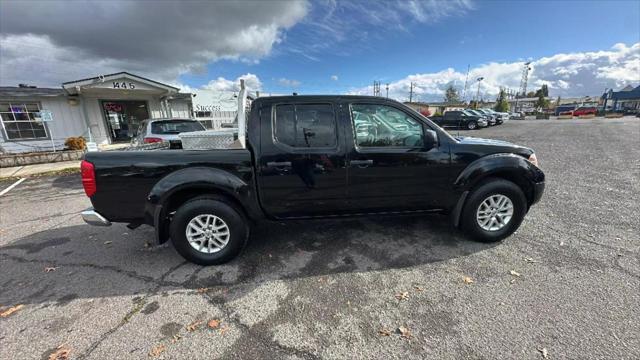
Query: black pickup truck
column 460, row 119
column 312, row 157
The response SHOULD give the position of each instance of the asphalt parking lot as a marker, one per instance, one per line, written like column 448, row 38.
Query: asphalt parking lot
column 565, row 286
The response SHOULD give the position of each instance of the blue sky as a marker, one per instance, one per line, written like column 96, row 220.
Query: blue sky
column 487, row 31
column 577, row 48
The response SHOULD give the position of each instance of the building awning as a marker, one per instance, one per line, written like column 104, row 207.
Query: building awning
column 118, row 82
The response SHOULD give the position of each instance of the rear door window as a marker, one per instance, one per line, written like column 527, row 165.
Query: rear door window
column 165, row 127
column 306, row 125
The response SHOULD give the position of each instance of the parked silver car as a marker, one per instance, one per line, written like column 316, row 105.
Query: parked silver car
column 166, row 129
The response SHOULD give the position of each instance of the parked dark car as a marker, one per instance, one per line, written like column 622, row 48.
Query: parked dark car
column 313, row 157
column 460, row 119
column 491, row 121
column 565, row 109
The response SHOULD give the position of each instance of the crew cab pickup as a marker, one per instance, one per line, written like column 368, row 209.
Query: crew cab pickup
column 460, row 119
column 308, row 157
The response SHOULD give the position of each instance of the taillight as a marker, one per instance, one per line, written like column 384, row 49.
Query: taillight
column 88, row 177
column 149, row 140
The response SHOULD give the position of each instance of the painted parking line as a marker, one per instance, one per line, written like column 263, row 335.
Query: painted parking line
column 12, row 186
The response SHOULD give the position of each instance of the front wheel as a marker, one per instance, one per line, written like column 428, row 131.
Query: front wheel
column 208, row 231
column 493, row 211
column 471, row 125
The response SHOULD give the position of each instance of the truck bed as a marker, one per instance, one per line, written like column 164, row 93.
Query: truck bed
column 124, row 179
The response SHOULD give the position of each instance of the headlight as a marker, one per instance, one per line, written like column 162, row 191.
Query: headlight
column 533, row 159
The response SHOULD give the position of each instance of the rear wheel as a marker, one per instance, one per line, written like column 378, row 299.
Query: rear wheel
column 471, row 125
column 493, row 211
column 208, row 231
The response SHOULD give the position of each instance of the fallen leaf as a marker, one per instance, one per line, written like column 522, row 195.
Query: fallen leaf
column 515, row 273
column 530, row 260
column 467, row 280
column 418, row 288
column 11, row 310
column 108, row 242
column 194, row 325
column 175, row 338
column 213, row 323
column 223, row 330
column 544, row 352
column 50, row 269
column 404, row 332
column 384, row 332
column 62, row 353
column 202, row 290
column 402, row 296
column 157, row 350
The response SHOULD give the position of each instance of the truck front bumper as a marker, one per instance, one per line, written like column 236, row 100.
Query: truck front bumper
column 92, row 217
column 538, row 190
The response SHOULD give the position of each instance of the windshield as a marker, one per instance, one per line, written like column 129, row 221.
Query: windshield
column 175, row 126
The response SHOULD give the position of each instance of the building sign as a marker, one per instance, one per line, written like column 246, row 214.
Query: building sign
column 124, row 85
column 209, row 101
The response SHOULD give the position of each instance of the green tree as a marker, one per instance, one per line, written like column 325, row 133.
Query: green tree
column 542, row 102
column 451, row 95
column 531, row 94
column 502, row 105
column 544, row 90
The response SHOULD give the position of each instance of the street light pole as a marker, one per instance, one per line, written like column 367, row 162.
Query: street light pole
column 478, row 93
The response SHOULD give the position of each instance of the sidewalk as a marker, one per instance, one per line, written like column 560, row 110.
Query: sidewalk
column 36, row 169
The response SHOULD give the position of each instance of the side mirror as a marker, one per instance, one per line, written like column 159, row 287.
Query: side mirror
column 430, row 139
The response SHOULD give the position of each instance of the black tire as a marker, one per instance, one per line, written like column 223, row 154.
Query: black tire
column 218, row 206
column 472, row 125
column 493, row 186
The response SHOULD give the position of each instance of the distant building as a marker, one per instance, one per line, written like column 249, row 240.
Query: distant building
column 432, row 108
column 625, row 100
column 106, row 108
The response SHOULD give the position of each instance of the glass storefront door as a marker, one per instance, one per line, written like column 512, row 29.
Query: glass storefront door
column 123, row 118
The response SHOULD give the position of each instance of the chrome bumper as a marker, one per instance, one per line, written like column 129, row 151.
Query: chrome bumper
column 91, row 217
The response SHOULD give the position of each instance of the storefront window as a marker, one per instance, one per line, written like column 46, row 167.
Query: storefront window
column 22, row 121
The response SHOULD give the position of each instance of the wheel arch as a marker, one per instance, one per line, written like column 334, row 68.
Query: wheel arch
column 181, row 186
column 510, row 167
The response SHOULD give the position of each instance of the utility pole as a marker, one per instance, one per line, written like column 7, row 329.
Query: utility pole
column 387, row 88
column 411, row 91
column 478, row 93
column 466, row 80
column 523, row 83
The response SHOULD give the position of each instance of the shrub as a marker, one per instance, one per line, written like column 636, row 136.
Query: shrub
column 75, row 143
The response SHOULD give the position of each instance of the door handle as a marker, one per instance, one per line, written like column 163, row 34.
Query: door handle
column 279, row 164
column 361, row 163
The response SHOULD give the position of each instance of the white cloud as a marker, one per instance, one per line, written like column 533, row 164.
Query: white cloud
column 334, row 77
column 251, row 82
column 567, row 75
column 288, row 82
column 48, row 42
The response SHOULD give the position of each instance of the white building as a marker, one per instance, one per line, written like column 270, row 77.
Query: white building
column 106, row 109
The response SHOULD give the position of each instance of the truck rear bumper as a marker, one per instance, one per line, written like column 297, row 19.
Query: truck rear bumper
column 92, row 217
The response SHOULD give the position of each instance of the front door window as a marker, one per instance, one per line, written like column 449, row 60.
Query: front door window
column 124, row 118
